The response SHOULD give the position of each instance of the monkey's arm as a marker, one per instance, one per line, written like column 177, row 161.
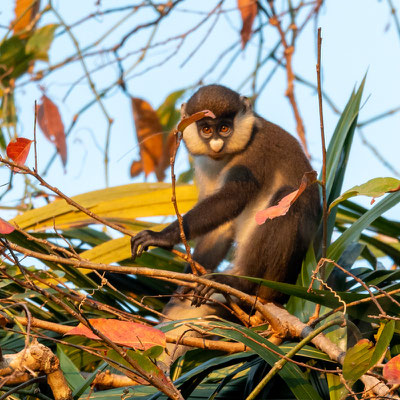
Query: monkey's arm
column 239, row 188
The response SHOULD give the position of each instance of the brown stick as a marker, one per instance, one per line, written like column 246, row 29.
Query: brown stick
column 288, row 53
column 323, row 183
column 196, row 268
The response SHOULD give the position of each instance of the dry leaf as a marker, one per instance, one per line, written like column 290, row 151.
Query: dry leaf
column 50, row 123
column 248, row 11
column 136, row 168
column 5, row 228
column 391, row 371
column 25, row 12
column 18, row 150
column 125, row 333
column 185, row 122
column 284, row 205
column 149, row 135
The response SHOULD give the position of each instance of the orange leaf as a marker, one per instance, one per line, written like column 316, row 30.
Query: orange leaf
column 149, row 135
column 5, row 227
column 283, row 206
column 25, row 11
column 391, row 371
column 136, row 168
column 248, row 10
column 125, row 333
column 50, row 123
column 185, row 122
column 18, row 150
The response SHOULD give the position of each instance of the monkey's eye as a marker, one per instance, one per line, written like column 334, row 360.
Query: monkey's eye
column 206, row 131
column 224, row 130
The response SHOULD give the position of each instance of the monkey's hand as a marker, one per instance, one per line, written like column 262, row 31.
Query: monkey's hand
column 201, row 294
column 144, row 239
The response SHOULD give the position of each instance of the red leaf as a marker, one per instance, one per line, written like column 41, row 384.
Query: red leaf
column 18, row 150
column 391, row 370
column 185, row 122
column 283, row 206
column 50, row 123
column 5, row 227
column 125, row 333
column 248, row 10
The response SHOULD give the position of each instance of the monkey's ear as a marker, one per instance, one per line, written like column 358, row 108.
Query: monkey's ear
column 183, row 111
column 247, row 103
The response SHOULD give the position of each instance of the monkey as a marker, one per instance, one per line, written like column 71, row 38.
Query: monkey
column 243, row 164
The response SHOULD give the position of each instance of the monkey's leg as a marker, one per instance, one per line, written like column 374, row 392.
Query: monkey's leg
column 178, row 309
column 210, row 250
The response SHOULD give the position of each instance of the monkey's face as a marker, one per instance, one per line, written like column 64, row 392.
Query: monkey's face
column 219, row 137
column 215, row 134
column 228, row 133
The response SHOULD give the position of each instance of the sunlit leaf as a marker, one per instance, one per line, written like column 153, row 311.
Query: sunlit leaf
column 51, row 124
column 391, row 371
column 136, row 168
column 18, row 150
column 373, row 188
column 248, row 11
column 25, row 12
column 167, row 113
column 385, row 335
column 125, row 333
column 357, row 360
column 39, row 43
column 149, row 136
column 116, row 203
column 284, row 204
column 185, row 122
column 5, row 227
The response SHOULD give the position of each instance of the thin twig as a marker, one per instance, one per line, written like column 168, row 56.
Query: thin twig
column 34, row 136
column 323, row 182
column 288, row 52
column 196, row 268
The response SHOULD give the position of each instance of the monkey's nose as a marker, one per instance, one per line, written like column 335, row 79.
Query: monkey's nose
column 216, row 145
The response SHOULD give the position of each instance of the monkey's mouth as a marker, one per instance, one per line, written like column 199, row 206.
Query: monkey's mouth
column 218, row 156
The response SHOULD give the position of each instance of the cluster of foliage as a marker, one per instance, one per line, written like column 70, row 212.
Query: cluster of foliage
column 75, row 289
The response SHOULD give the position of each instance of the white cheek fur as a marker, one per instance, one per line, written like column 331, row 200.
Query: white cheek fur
column 242, row 129
column 193, row 141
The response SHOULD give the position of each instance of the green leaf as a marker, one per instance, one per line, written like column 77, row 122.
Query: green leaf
column 70, row 371
column 373, row 188
column 302, row 389
column 141, row 359
column 338, row 151
column 357, row 360
column 39, row 43
column 13, row 59
column 304, row 309
column 337, row 391
column 167, row 112
column 79, row 390
column 352, row 233
column 385, row 335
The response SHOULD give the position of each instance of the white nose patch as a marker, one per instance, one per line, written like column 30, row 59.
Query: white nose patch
column 216, row 144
